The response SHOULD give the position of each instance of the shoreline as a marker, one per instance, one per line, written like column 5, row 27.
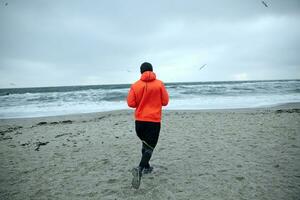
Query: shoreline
column 293, row 105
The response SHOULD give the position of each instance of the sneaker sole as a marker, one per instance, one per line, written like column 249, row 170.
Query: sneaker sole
column 136, row 180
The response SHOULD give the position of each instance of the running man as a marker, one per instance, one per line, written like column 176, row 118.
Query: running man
column 147, row 96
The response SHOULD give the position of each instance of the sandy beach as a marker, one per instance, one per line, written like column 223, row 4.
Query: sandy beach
column 208, row 154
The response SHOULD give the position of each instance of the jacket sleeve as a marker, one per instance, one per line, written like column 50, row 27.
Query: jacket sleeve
column 164, row 96
column 131, row 101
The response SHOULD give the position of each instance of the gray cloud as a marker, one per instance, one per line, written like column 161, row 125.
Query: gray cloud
column 95, row 42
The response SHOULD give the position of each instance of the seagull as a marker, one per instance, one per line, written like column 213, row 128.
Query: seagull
column 265, row 4
column 202, row 66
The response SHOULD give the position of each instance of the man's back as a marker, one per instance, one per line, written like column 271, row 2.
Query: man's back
column 148, row 95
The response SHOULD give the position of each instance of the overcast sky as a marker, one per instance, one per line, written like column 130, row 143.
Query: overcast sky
column 59, row 42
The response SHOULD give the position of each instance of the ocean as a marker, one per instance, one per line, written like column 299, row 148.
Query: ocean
column 51, row 101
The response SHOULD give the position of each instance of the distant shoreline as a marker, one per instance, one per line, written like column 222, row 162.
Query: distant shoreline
column 293, row 105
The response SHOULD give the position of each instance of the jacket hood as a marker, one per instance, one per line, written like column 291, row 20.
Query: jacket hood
column 148, row 76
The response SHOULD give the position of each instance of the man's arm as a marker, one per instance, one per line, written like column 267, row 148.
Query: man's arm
column 164, row 96
column 131, row 101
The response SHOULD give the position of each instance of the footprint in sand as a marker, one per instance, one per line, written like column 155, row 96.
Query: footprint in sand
column 25, row 144
column 239, row 178
column 105, row 161
column 112, row 180
column 10, row 129
column 75, row 149
column 6, row 138
column 108, row 192
column 63, row 134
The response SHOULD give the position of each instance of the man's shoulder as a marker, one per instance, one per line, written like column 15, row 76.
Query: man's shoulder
column 137, row 84
column 159, row 82
column 140, row 83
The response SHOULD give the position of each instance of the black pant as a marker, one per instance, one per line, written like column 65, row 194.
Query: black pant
column 148, row 132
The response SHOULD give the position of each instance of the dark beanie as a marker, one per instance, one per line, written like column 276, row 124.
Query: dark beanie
column 146, row 67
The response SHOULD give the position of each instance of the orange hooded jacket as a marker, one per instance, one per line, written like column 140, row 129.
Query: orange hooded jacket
column 148, row 95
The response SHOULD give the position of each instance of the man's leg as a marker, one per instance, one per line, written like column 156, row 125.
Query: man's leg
column 150, row 139
column 147, row 151
column 137, row 172
column 147, row 165
column 148, row 132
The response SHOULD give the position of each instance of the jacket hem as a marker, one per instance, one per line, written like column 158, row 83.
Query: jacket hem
column 147, row 120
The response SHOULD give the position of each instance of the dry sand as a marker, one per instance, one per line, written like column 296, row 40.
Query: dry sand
column 217, row 154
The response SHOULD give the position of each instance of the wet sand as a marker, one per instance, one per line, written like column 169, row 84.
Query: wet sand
column 210, row 154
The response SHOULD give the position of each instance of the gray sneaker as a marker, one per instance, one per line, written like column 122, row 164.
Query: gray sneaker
column 136, row 180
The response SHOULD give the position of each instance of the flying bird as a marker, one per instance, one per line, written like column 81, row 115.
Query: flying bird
column 202, row 66
column 265, row 4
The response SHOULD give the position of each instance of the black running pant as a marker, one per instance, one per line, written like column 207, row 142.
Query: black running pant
column 148, row 132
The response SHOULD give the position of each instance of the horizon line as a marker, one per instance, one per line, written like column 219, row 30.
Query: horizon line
column 166, row 83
